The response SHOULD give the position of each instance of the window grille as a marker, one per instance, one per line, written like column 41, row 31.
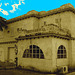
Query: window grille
column 33, row 52
column 61, row 52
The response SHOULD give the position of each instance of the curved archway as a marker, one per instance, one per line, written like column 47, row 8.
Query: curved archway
column 61, row 53
column 33, row 52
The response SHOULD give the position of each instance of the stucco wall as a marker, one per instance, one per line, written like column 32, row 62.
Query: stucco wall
column 49, row 46
column 72, row 42
column 43, row 65
column 72, row 24
column 64, row 16
column 45, row 45
column 70, row 53
column 11, row 32
column 34, row 23
column 5, row 47
column 56, row 42
column 72, row 59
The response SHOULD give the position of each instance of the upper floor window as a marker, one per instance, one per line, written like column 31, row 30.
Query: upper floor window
column 61, row 52
column 33, row 52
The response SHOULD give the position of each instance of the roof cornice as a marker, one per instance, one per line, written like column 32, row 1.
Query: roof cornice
column 33, row 13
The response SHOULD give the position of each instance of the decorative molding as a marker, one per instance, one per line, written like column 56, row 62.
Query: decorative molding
column 16, row 49
column 8, row 42
column 50, row 28
column 47, row 28
column 44, row 35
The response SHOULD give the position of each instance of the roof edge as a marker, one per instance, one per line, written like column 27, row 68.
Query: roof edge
column 33, row 13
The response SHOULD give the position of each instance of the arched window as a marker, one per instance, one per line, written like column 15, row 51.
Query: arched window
column 61, row 52
column 33, row 52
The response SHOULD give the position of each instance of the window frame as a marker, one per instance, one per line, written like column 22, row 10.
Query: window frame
column 34, row 52
column 61, row 52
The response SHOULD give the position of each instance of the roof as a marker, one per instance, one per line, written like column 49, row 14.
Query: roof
column 33, row 13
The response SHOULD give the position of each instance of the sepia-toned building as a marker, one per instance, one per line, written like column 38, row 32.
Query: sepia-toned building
column 44, row 41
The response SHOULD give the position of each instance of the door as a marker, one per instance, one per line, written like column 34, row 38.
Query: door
column 11, row 54
column 1, row 54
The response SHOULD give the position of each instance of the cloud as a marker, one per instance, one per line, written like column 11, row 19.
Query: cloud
column 6, row 4
column 22, row 1
column 15, row 6
column 0, row 4
column 12, row 11
column 4, row 12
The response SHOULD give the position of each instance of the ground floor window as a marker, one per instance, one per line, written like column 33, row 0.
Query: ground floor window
column 61, row 52
column 33, row 52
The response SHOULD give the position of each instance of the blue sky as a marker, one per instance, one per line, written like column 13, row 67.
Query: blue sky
column 13, row 8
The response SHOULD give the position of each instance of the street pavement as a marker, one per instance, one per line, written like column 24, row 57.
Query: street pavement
column 73, row 73
column 27, row 72
column 21, row 72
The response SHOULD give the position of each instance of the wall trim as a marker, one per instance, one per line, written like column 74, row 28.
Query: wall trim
column 8, row 42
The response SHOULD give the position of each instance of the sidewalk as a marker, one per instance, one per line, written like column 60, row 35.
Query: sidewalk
column 73, row 73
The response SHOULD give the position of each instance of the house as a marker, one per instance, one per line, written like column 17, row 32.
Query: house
column 43, row 41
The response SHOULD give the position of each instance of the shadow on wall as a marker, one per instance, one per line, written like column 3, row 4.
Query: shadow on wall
column 5, row 65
